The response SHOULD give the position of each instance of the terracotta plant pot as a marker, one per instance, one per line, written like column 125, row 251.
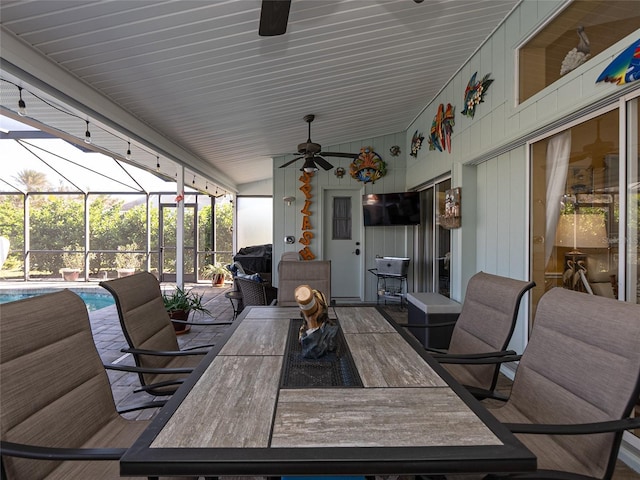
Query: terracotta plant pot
column 218, row 280
column 125, row 272
column 70, row 274
column 180, row 328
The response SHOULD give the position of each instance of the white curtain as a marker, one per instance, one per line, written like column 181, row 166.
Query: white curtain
column 558, row 152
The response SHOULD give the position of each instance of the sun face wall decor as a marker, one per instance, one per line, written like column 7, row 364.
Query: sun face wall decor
column 474, row 94
column 442, row 128
column 368, row 167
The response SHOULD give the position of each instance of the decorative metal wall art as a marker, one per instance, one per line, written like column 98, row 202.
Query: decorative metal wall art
column 625, row 68
column 452, row 217
column 339, row 172
column 368, row 167
column 442, row 128
column 394, row 151
column 416, row 143
column 474, row 94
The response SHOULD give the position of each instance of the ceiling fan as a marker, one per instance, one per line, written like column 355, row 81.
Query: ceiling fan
column 274, row 15
column 313, row 154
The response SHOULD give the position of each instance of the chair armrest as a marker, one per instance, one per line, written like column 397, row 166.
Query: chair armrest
column 188, row 349
column 436, row 350
column 479, row 361
column 500, row 353
column 55, row 453
column 189, row 322
column 575, row 428
column 142, row 406
column 163, row 353
column 132, row 369
column 154, row 386
column 431, row 325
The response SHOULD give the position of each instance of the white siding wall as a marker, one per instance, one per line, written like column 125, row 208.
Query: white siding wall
column 499, row 198
column 396, row 241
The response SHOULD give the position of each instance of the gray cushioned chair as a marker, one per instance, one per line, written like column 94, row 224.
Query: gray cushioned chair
column 315, row 273
column 55, row 394
column 579, row 373
column 150, row 334
column 483, row 329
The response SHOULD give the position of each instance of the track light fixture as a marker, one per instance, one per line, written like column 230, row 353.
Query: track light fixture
column 157, row 164
column 206, row 186
column 193, row 182
column 87, row 134
column 22, row 107
column 128, row 150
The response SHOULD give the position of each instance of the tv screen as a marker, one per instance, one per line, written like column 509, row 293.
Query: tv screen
column 384, row 209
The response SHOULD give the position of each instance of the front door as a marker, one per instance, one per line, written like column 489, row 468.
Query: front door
column 342, row 212
column 168, row 244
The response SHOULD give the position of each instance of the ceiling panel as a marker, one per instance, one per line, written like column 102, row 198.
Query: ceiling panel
column 198, row 73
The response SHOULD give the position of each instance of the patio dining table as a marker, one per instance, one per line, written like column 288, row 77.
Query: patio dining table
column 377, row 405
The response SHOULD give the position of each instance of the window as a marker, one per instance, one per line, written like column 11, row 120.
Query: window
column 433, row 244
column 576, row 208
column 255, row 221
column 341, row 218
column 582, row 30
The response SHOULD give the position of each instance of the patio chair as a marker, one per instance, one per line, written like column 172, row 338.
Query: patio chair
column 57, row 403
column 291, row 273
column 576, row 384
column 150, row 334
column 256, row 292
column 483, row 329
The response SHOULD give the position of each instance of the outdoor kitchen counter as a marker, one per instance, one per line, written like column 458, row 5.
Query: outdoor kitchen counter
column 233, row 417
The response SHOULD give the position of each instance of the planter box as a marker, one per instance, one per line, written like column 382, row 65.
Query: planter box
column 426, row 308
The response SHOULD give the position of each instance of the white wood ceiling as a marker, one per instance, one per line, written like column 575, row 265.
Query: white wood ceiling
column 197, row 72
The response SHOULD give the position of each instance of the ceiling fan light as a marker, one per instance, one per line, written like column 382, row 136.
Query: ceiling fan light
column 309, row 166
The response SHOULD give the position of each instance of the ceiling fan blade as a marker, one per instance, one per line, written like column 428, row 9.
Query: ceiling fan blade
column 340, row 154
column 290, row 162
column 274, row 16
column 322, row 162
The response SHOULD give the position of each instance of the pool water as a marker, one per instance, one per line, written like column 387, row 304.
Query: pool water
column 94, row 301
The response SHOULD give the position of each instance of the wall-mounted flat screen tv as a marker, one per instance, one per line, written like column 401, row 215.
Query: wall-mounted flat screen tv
column 384, row 209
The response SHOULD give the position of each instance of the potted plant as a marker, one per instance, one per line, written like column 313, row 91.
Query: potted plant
column 127, row 261
column 179, row 303
column 217, row 272
column 73, row 263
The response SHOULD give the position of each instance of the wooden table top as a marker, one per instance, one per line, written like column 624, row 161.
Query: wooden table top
column 232, row 417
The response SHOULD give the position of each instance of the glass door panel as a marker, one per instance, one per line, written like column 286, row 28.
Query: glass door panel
column 168, row 242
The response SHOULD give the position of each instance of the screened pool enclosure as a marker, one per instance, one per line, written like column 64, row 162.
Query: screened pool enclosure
column 69, row 213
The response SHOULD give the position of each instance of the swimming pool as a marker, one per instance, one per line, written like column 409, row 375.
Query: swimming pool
column 93, row 300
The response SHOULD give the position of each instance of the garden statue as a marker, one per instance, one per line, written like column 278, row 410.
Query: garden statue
column 318, row 332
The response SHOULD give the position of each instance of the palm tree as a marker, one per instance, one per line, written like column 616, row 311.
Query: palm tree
column 32, row 180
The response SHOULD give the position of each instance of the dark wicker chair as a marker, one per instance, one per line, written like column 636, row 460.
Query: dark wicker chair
column 256, row 293
column 58, row 416
column 576, row 385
